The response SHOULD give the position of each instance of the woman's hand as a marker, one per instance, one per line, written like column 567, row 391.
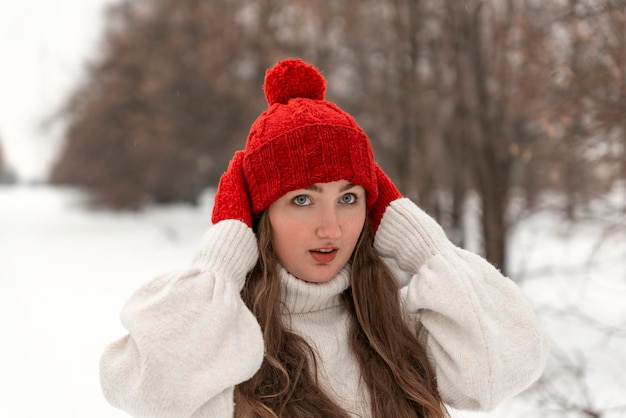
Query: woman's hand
column 387, row 193
column 232, row 200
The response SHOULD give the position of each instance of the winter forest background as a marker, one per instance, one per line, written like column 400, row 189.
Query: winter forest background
column 504, row 119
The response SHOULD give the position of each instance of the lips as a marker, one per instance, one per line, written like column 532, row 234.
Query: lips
column 324, row 255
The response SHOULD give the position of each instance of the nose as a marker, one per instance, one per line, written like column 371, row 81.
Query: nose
column 328, row 224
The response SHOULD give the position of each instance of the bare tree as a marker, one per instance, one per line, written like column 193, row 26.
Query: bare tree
column 2, row 163
column 164, row 106
column 590, row 84
column 6, row 175
column 497, row 98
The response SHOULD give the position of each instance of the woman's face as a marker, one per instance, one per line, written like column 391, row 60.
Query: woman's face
column 315, row 229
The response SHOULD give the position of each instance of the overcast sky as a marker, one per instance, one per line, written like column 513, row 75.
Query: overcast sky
column 44, row 45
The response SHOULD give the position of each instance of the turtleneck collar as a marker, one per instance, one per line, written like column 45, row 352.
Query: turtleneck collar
column 301, row 297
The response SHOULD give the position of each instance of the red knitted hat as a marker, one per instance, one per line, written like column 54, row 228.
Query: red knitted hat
column 302, row 139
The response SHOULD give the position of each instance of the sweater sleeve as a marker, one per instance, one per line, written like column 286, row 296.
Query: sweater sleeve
column 478, row 329
column 191, row 338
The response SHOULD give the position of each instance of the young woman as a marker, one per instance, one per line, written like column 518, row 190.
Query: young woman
column 291, row 309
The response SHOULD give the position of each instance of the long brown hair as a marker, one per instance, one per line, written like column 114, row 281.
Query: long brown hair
column 393, row 364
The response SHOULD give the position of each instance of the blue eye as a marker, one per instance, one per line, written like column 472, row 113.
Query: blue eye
column 301, row 200
column 348, row 198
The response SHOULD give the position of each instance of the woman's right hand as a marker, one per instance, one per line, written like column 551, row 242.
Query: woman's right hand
column 191, row 339
column 232, row 200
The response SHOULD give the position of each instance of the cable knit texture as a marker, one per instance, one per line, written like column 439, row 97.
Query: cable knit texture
column 191, row 339
column 302, row 139
column 480, row 330
column 232, row 200
column 387, row 193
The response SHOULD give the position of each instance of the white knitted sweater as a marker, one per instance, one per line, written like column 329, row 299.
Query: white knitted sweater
column 191, row 339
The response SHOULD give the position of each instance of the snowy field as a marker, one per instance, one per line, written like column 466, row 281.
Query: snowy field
column 65, row 273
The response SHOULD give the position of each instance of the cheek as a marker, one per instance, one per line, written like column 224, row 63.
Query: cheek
column 353, row 226
column 355, row 233
column 285, row 237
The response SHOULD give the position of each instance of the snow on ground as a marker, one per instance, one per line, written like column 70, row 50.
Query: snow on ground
column 575, row 274
column 65, row 273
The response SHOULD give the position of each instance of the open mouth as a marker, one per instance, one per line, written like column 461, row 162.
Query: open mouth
column 324, row 255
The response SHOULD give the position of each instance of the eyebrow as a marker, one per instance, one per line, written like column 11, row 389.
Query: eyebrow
column 316, row 188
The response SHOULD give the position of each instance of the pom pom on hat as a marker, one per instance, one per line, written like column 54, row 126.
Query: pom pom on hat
column 302, row 139
column 293, row 78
